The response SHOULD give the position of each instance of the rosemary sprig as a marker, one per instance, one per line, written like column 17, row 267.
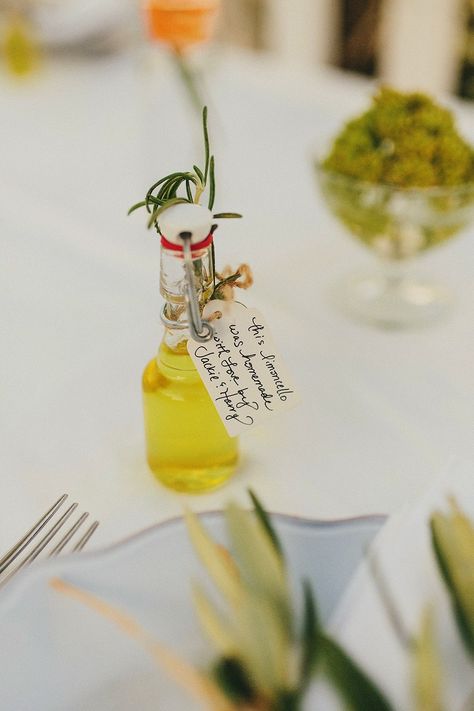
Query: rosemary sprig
column 184, row 186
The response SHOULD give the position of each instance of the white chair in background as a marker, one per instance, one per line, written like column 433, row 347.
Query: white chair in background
column 302, row 31
column 419, row 40
column 420, row 43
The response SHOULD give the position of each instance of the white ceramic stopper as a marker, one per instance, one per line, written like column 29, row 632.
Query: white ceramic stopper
column 186, row 217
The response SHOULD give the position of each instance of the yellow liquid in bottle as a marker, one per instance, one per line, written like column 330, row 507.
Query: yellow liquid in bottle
column 188, row 448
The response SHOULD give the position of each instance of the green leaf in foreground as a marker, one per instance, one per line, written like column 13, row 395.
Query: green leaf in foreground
column 260, row 564
column 215, row 559
column 453, row 544
column 233, row 680
column 309, row 636
column 260, row 512
column 427, row 676
column 354, row 687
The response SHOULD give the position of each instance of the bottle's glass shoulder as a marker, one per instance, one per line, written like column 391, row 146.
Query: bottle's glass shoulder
column 171, row 366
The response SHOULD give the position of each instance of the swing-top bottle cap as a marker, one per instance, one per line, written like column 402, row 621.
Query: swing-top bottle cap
column 186, row 218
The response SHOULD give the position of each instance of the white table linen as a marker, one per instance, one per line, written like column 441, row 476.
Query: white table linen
column 406, row 562
column 79, row 292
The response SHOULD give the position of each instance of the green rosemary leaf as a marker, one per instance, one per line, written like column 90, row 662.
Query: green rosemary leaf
column 213, row 264
column 199, row 174
column 309, row 636
column 145, row 203
column 234, row 681
column 170, row 188
column 165, row 183
column 152, row 199
column 227, row 215
column 164, row 190
column 217, row 293
column 188, row 191
column 260, row 512
column 136, row 206
column 212, row 184
column 156, row 213
column 160, row 182
column 193, row 178
column 206, row 144
column 355, row 688
column 229, row 280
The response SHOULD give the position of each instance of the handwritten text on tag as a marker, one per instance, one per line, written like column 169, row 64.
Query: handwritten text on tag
column 241, row 369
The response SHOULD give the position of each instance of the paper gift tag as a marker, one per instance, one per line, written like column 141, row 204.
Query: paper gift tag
column 241, row 368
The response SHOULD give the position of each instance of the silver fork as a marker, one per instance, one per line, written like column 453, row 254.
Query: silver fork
column 10, row 563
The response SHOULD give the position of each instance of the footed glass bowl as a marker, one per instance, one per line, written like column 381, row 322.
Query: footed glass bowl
column 396, row 224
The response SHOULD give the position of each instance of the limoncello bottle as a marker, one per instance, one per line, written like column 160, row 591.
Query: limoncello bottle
column 188, row 448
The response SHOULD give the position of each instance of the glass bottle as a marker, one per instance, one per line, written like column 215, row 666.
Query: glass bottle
column 188, row 448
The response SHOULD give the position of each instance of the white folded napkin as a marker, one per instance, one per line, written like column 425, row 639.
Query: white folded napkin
column 407, row 567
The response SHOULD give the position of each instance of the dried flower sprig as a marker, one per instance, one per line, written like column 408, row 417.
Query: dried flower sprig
column 229, row 280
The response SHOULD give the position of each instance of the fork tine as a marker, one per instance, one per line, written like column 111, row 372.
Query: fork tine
column 46, row 539
column 40, row 546
column 15, row 551
column 80, row 545
column 65, row 539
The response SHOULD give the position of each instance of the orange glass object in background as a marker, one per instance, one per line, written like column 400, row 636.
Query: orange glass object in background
column 181, row 23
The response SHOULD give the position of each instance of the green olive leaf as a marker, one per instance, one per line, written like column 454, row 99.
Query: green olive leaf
column 216, row 560
column 427, row 672
column 309, row 636
column 261, row 566
column 452, row 537
column 260, row 512
column 354, row 687
column 212, row 621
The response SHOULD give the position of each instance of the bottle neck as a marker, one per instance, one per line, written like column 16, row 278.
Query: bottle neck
column 173, row 290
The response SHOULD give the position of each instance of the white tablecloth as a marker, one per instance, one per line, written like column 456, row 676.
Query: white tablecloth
column 381, row 411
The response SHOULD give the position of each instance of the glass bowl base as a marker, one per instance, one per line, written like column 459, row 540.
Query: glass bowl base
column 391, row 301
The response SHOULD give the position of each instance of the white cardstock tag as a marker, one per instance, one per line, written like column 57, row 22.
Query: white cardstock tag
column 241, row 369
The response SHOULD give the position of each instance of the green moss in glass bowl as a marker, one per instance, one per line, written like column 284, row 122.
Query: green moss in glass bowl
column 400, row 178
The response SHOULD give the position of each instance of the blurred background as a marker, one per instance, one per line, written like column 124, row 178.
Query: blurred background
column 407, row 42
